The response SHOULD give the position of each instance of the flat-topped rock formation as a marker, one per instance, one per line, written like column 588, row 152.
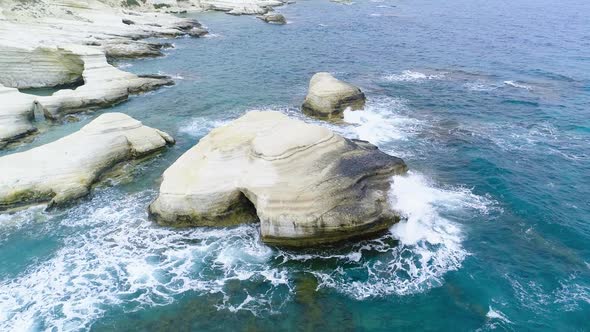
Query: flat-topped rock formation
column 65, row 169
column 104, row 85
column 328, row 97
column 306, row 184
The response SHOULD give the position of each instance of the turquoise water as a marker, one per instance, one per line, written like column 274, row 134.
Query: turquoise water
column 488, row 103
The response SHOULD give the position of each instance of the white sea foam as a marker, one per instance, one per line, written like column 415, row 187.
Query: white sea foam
column 414, row 256
column 201, row 126
column 114, row 257
column 10, row 221
column 413, row 76
column 571, row 293
column 498, row 315
column 480, row 86
column 517, row 85
column 124, row 65
column 383, row 122
column 540, row 137
column 173, row 76
column 380, row 123
column 121, row 259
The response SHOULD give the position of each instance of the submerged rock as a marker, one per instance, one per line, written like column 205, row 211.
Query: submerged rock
column 306, row 184
column 132, row 49
column 273, row 18
column 328, row 97
column 65, row 169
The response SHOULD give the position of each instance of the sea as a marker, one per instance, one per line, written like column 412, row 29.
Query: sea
column 487, row 101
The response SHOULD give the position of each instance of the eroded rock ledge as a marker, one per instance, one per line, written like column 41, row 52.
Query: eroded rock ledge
column 306, row 184
column 104, row 85
column 65, row 169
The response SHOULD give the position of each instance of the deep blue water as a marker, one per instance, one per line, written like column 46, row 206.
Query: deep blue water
column 487, row 101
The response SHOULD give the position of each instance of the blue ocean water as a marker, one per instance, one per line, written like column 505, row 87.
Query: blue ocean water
column 487, row 101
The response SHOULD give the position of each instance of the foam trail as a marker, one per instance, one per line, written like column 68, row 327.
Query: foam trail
column 412, row 76
column 496, row 314
column 480, row 86
column 517, row 85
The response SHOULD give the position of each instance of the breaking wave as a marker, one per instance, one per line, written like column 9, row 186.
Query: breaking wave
column 414, row 256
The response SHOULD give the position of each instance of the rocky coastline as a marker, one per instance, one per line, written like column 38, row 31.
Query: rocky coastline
column 304, row 184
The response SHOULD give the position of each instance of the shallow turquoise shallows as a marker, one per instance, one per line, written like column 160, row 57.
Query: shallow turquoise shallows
column 487, row 101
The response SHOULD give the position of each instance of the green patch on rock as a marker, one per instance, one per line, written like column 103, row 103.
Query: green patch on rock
column 22, row 198
column 130, row 3
column 161, row 5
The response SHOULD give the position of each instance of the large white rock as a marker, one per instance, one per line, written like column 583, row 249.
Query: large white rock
column 16, row 113
column 65, row 169
column 306, row 184
column 328, row 97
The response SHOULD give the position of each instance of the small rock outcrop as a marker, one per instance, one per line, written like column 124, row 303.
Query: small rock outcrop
column 65, row 169
column 306, row 184
column 328, row 97
column 273, row 18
